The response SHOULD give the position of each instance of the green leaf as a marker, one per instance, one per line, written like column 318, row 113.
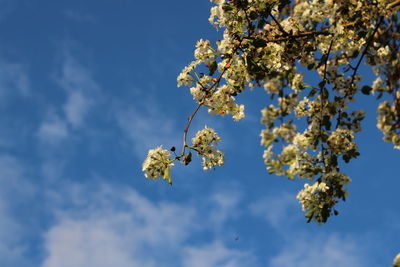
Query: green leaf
column 167, row 175
column 259, row 43
column 366, row 90
column 282, row 4
column 226, row 7
column 187, row 159
column 253, row 15
column 212, row 67
column 346, row 158
column 335, row 212
column 261, row 24
column 312, row 92
column 355, row 54
column 325, row 93
column 362, row 34
column 326, row 122
column 322, row 60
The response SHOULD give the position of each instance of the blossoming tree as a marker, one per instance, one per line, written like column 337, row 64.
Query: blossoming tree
column 270, row 44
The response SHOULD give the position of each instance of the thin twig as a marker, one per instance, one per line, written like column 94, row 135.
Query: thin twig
column 393, row 4
column 190, row 118
column 202, row 101
column 322, row 100
column 369, row 41
column 278, row 24
column 294, row 36
column 355, row 69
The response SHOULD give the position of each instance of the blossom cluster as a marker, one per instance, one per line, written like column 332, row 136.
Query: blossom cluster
column 341, row 140
column 205, row 143
column 309, row 196
column 204, row 51
column 396, row 261
column 309, row 129
column 158, row 164
column 389, row 121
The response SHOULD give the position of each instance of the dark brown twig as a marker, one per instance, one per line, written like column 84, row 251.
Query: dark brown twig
column 202, row 101
column 355, row 69
column 324, row 79
column 279, row 25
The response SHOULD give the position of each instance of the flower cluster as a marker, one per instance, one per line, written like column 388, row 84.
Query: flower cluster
column 396, row 261
column 158, row 164
column 389, row 121
column 341, row 141
column 309, row 198
column 204, row 51
column 222, row 103
column 185, row 77
column 204, row 143
column 309, row 129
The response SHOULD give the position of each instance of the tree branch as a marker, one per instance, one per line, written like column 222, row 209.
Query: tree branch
column 202, row 101
column 355, row 69
column 322, row 100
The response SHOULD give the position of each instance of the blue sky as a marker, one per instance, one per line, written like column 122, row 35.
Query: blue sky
column 87, row 87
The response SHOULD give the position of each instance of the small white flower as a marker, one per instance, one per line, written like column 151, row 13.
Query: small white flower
column 204, row 143
column 157, row 164
column 396, row 261
column 204, row 52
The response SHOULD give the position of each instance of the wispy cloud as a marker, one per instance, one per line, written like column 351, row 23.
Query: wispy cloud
column 13, row 79
column 224, row 206
column 119, row 227
column 81, row 91
column 53, row 129
column 329, row 250
column 147, row 126
column 80, row 87
column 14, row 190
column 277, row 210
column 217, row 254
column 307, row 247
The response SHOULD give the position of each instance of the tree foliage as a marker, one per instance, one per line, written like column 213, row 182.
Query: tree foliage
column 310, row 129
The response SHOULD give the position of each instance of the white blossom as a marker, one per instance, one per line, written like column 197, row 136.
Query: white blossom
column 377, row 84
column 157, row 164
column 185, row 77
column 204, row 51
column 396, row 261
column 308, row 196
column 205, row 143
column 301, row 141
column 341, row 141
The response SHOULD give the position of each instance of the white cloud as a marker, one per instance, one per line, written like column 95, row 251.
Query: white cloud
column 80, row 88
column 90, row 242
column 217, row 255
column 14, row 190
column 148, row 128
column 277, row 210
column 224, row 205
column 13, row 78
column 111, row 226
column 306, row 248
column 12, row 182
column 81, row 93
column 328, row 250
column 11, row 247
column 53, row 129
column 76, row 107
